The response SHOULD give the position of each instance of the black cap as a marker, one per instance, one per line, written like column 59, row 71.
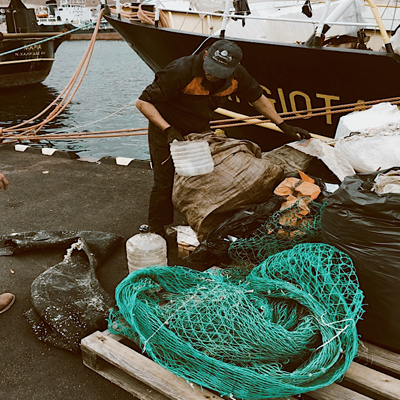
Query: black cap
column 222, row 58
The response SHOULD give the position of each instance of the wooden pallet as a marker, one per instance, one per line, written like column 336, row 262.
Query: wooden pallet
column 104, row 353
column 184, row 249
column 374, row 375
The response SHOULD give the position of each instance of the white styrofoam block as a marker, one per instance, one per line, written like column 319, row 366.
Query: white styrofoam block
column 21, row 147
column 123, row 160
column 185, row 234
column 48, row 152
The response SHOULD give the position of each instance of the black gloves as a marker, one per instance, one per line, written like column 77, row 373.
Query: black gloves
column 294, row 132
column 173, row 134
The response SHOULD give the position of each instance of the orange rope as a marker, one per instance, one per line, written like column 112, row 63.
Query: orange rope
column 226, row 123
column 10, row 138
column 138, row 14
column 60, row 103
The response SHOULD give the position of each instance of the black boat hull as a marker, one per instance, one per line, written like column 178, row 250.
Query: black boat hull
column 294, row 77
column 26, row 54
column 27, row 66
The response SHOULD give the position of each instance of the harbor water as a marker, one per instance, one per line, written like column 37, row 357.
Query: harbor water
column 105, row 100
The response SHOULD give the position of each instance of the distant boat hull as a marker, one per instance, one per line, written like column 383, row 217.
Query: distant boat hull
column 26, row 54
column 28, row 66
column 294, row 77
column 82, row 34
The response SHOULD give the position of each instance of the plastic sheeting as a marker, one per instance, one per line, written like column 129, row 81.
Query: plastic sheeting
column 387, row 183
column 366, row 226
column 68, row 302
column 339, row 165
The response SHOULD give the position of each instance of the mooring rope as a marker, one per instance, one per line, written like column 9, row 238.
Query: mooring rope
column 64, row 98
column 100, row 119
column 300, row 114
column 46, row 40
column 10, row 138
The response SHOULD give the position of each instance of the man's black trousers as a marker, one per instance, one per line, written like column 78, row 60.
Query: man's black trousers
column 161, row 209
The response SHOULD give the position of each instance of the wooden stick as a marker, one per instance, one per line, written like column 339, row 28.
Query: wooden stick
column 258, row 122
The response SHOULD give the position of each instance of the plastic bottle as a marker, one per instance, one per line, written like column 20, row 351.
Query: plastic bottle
column 146, row 249
column 192, row 157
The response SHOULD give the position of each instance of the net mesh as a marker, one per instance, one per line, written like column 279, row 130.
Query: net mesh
column 297, row 224
column 288, row 328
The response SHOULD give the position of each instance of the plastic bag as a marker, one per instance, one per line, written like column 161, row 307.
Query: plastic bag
column 370, row 152
column 214, row 250
column 378, row 116
column 366, row 226
column 68, row 302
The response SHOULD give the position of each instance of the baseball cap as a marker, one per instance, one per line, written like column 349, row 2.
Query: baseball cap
column 222, row 58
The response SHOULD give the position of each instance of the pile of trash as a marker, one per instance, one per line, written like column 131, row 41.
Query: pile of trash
column 359, row 215
column 293, row 258
column 279, row 315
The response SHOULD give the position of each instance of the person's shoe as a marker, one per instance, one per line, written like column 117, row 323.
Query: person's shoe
column 6, row 301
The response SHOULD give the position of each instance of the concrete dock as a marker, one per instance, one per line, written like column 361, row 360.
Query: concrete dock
column 58, row 193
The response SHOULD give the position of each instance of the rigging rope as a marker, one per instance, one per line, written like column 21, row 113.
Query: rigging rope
column 100, row 120
column 76, row 135
column 223, row 123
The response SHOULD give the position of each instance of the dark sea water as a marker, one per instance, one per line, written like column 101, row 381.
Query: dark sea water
column 105, row 100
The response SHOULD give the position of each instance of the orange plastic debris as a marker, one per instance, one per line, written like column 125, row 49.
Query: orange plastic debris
column 301, row 191
column 305, row 177
column 294, row 188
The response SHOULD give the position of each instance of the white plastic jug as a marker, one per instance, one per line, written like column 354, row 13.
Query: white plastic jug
column 146, row 249
column 192, row 157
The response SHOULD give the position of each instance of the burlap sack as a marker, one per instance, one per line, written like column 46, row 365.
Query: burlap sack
column 290, row 159
column 240, row 177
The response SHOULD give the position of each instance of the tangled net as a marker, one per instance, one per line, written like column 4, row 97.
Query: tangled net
column 289, row 328
column 283, row 230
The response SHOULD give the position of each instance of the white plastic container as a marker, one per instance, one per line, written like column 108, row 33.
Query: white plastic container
column 192, row 158
column 145, row 250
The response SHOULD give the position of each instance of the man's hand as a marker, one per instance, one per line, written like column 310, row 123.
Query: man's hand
column 173, row 134
column 3, row 182
column 294, row 132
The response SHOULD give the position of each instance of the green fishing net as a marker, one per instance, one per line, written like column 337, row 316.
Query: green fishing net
column 283, row 230
column 288, row 328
